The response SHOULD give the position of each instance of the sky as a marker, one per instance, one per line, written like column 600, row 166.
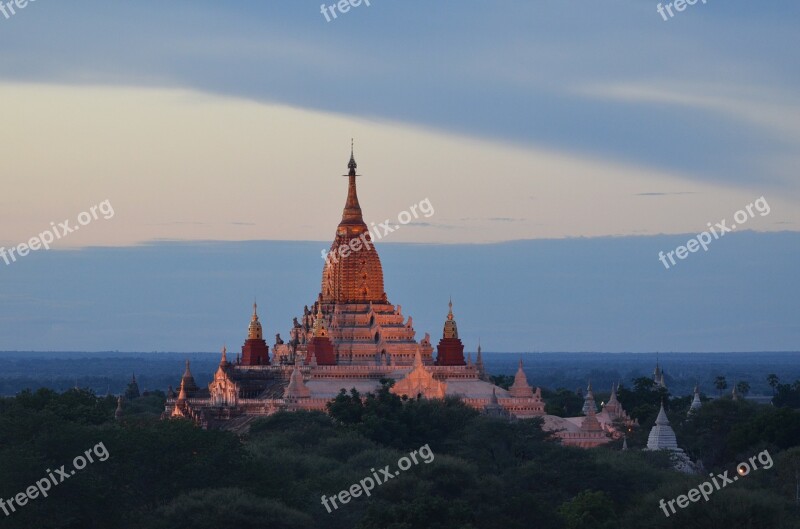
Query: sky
column 214, row 123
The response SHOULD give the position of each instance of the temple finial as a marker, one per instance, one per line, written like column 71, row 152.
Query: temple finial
column 352, row 165
column 351, row 216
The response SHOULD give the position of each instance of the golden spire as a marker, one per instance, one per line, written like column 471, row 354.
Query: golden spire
column 319, row 322
column 450, row 328
column 255, row 331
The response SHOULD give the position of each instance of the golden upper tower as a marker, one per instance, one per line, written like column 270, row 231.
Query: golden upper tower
column 254, row 331
column 450, row 328
column 353, row 271
column 320, row 328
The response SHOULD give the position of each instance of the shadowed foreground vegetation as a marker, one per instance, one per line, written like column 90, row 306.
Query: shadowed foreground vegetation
column 486, row 473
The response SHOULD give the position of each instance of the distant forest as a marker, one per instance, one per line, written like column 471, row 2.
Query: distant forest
column 110, row 372
column 483, row 473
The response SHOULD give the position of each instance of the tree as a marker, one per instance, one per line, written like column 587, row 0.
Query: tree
column 503, row 381
column 721, row 384
column 562, row 402
column 773, row 381
column 644, row 401
column 786, row 396
column 226, row 507
column 743, row 387
column 589, row 510
column 347, row 408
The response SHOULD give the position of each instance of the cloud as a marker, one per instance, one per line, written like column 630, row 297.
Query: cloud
column 177, row 223
column 759, row 106
column 660, row 194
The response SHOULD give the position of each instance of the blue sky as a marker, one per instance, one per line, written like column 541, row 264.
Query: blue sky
column 518, row 120
column 598, row 294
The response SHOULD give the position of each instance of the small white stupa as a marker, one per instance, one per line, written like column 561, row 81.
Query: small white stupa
column 662, row 437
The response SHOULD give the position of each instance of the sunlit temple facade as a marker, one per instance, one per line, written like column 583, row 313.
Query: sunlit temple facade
column 352, row 336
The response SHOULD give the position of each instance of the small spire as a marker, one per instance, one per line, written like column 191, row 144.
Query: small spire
column 255, row 330
column 118, row 412
column 296, row 387
column 352, row 165
column 450, row 327
column 224, row 359
column 351, row 216
column 520, row 387
column 319, row 328
column 662, row 415
column 417, row 358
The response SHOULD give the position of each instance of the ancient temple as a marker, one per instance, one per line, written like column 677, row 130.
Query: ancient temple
column 352, row 336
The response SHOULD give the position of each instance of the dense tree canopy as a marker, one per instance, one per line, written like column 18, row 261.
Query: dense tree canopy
column 483, row 472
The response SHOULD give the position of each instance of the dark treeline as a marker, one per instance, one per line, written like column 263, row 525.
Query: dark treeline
column 106, row 372
column 486, row 473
